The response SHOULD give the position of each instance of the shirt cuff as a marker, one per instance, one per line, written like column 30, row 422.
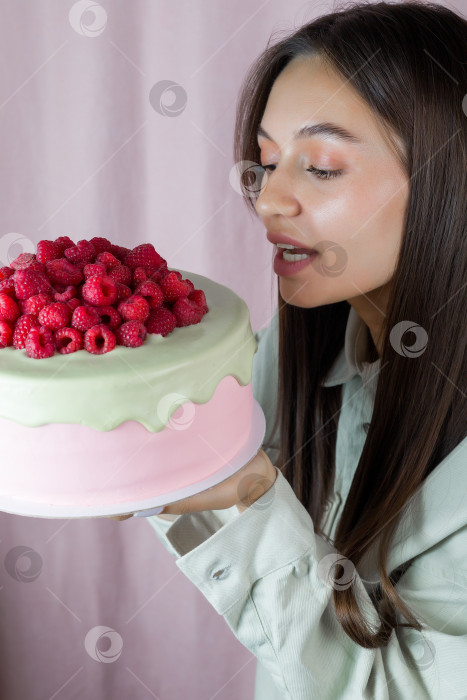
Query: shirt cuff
column 225, row 561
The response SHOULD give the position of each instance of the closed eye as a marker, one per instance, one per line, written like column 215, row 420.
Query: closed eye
column 320, row 174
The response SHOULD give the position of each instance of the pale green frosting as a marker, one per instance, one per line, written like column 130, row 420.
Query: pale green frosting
column 103, row 391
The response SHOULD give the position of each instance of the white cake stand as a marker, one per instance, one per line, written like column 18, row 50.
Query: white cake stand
column 49, row 510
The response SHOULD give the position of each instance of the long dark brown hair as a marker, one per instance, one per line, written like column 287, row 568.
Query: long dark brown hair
column 408, row 62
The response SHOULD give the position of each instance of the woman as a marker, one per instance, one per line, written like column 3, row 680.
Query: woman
column 340, row 559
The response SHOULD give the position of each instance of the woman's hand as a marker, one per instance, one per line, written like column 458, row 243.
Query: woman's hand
column 242, row 489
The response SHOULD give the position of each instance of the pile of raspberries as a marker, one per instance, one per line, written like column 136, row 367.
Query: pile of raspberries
column 92, row 295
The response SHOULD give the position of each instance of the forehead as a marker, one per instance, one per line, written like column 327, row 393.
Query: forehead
column 309, row 92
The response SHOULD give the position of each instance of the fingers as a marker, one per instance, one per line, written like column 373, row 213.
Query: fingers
column 148, row 513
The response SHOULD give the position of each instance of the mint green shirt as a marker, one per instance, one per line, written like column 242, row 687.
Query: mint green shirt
column 265, row 570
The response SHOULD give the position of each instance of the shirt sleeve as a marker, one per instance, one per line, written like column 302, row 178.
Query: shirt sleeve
column 268, row 574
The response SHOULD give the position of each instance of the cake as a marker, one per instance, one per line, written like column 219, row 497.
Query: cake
column 86, row 434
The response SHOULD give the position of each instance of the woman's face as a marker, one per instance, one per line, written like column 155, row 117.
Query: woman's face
column 360, row 211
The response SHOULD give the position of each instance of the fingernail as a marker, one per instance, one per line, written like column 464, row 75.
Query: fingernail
column 147, row 513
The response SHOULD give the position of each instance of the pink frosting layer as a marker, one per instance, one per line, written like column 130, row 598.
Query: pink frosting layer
column 66, row 464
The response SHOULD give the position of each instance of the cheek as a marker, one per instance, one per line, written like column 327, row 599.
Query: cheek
column 366, row 219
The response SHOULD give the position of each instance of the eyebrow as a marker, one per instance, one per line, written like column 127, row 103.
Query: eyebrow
column 321, row 129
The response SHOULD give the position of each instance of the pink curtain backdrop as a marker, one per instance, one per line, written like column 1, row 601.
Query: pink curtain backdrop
column 116, row 119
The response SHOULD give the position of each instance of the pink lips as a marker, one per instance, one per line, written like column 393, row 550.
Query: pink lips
column 279, row 238
column 283, row 268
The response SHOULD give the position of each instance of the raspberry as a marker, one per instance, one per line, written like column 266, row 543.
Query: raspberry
column 161, row 321
column 5, row 273
column 100, row 244
column 84, row 317
column 37, row 266
column 63, row 272
column 30, row 282
column 139, row 275
column 135, row 308
column 23, row 261
column 40, row 343
column 82, row 252
column 119, row 251
column 8, row 287
column 47, row 250
column 143, row 255
column 172, row 287
column 199, row 297
column 94, row 270
column 74, row 303
column 187, row 312
column 67, row 294
column 150, row 291
column 99, row 339
column 121, row 273
column 34, row 304
column 109, row 316
column 123, row 291
column 6, row 334
column 132, row 334
column 108, row 260
column 9, row 309
column 161, row 272
column 68, row 340
column 55, row 315
column 99, row 291
column 63, row 243
column 22, row 327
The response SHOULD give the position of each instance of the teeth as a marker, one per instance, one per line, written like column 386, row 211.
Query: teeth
column 294, row 257
column 285, row 245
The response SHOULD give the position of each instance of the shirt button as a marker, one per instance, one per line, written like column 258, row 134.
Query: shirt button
column 220, row 574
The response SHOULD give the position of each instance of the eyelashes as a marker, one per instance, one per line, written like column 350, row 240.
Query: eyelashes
column 320, row 174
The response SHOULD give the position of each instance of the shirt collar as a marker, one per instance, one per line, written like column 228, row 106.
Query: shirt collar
column 354, row 356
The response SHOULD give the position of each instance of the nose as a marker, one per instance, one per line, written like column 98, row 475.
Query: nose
column 276, row 195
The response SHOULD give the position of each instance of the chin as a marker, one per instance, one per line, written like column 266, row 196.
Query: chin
column 305, row 300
